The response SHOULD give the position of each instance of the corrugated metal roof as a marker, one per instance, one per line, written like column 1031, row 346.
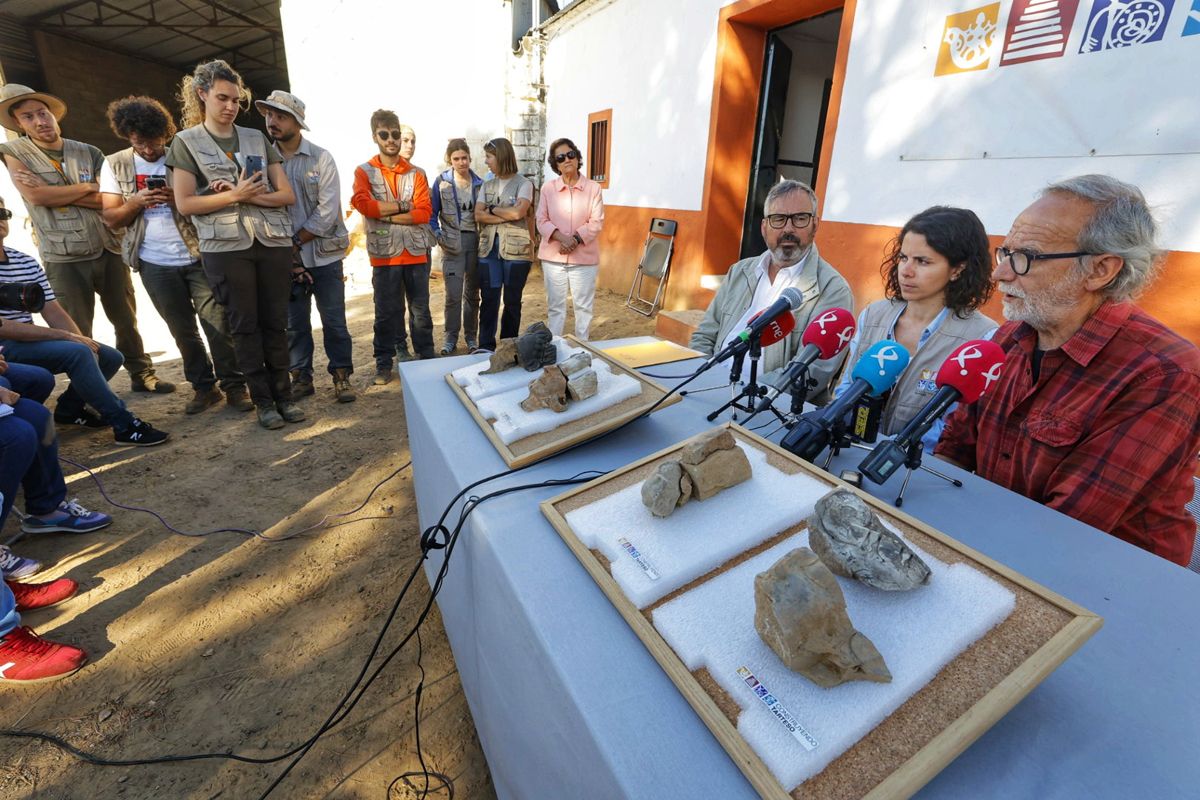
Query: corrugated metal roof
column 247, row 33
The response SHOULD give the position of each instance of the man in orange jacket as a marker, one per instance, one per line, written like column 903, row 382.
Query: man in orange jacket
column 393, row 197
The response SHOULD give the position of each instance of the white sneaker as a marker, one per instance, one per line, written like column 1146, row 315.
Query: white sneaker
column 16, row 567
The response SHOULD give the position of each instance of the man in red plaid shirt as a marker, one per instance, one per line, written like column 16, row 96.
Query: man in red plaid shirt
column 1097, row 411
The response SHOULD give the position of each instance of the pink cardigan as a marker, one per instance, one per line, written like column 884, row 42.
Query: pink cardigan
column 570, row 210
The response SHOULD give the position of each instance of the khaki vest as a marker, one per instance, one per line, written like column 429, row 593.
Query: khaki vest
column 515, row 241
column 328, row 246
column 916, row 384
column 135, row 233
column 68, row 233
column 234, row 227
column 386, row 239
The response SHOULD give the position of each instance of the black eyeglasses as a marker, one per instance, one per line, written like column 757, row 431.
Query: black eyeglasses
column 801, row 220
column 561, row 157
column 385, row 134
column 1019, row 261
column 5, row 214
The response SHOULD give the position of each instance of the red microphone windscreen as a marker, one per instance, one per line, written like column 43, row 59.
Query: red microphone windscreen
column 831, row 332
column 779, row 328
column 972, row 368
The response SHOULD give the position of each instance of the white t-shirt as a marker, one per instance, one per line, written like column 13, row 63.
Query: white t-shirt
column 163, row 245
column 765, row 292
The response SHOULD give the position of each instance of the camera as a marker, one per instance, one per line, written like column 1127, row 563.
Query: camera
column 22, row 297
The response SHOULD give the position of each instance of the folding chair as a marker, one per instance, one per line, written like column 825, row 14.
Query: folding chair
column 655, row 263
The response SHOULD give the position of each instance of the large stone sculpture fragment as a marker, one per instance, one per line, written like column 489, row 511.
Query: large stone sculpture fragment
column 504, row 357
column 702, row 446
column 800, row 613
column 851, row 540
column 548, row 391
column 708, row 463
column 668, row 488
column 582, row 384
column 717, row 472
column 535, row 347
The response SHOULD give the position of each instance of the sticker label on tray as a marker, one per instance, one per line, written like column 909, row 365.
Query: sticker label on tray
column 782, row 714
column 636, row 555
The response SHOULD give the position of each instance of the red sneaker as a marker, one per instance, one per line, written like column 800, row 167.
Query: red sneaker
column 42, row 595
column 26, row 657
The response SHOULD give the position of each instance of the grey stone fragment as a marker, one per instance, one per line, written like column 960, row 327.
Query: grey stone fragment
column 535, row 347
column 701, row 447
column 720, row 470
column 661, row 491
column 850, row 539
column 504, row 357
column 575, row 363
column 582, row 384
column 800, row 613
column 548, row 391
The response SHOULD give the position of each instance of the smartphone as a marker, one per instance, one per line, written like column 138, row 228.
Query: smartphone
column 255, row 164
column 156, row 182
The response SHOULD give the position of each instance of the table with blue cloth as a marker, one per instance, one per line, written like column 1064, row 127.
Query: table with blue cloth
column 568, row 703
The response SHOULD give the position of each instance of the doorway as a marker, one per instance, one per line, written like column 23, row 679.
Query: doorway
column 797, row 80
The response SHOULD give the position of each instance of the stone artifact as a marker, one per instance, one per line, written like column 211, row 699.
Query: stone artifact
column 535, row 347
column 800, row 613
column 575, row 363
column 665, row 490
column 852, row 542
column 707, row 464
column 548, row 391
column 582, row 384
column 504, row 357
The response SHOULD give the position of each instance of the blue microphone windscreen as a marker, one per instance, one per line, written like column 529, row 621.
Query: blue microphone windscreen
column 881, row 365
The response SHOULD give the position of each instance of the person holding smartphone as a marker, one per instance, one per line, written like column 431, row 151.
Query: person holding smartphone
column 161, row 245
column 230, row 181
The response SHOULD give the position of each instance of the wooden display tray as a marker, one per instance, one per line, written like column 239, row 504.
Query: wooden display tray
column 534, row 448
column 930, row 729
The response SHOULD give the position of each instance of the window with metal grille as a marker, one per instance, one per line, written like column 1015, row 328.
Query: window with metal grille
column 599, row 146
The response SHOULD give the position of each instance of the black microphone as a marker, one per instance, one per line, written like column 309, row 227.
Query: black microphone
column 789, row 300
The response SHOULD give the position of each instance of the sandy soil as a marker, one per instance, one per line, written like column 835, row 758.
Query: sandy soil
column 229, row 643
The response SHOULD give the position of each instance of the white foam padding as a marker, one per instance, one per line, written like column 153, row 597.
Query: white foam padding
column 478, row 386
column 511, row 422
column 917, row 632
column 699, row 536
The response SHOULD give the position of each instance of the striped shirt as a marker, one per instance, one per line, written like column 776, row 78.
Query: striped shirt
column 20, row 268
column 1107, row 434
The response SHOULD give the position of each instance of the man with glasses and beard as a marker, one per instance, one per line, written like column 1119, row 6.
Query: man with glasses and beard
column 789, row 226
column 393, row 198
column 1096, row 412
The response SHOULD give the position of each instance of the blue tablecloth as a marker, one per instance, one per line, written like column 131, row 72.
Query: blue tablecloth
column 569, row 704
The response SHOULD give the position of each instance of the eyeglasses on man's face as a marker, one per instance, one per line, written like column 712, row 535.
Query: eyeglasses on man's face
column 570, row 154
column 1019, row 261
column 801, row 220
column 383, row 135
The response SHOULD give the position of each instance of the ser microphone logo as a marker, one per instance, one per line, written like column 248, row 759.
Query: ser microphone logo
column 968, row 354
column 885, row 355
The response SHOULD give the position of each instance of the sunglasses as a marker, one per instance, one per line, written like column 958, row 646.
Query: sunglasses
column 5, row 214
column 561, row 157
column 384, row 135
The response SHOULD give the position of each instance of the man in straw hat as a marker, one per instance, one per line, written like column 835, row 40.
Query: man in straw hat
column 320, row 240
column 58, row 180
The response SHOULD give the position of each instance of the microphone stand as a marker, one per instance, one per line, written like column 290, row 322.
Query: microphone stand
column 912, row 462
column 751, row 391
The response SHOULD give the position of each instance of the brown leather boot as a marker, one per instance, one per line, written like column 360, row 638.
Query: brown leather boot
column 342, row 389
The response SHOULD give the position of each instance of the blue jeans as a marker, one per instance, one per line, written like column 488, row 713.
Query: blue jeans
column 29, row 458
column 180, row 295
column 32, row 383
column 329, row 290
column 9, row 618
column 89, row 373
column 499, row 277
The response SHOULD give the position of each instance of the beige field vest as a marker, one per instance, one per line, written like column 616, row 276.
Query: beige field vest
column 515, row 241
column 67, row 233
column 386, row 239
column 234, row 227
column 916, row 384
column 135, row 233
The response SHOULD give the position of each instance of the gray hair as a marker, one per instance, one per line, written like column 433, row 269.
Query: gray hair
column 1122, row 224
column 786, row 187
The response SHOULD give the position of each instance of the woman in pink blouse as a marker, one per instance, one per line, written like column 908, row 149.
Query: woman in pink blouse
column 570, row 214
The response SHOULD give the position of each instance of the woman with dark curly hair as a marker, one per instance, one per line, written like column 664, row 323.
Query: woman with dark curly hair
column 937, row 274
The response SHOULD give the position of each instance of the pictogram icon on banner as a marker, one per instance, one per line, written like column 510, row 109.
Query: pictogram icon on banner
column 1114, row 24
column 1038, row 29
column 1191, row 25
column 967, row 40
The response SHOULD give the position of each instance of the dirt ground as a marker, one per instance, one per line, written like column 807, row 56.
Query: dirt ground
column 229, row 643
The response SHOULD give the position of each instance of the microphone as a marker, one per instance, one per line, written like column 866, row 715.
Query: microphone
column 825, row 337
column 964, row 376
column 876, row 371
column 790, row 299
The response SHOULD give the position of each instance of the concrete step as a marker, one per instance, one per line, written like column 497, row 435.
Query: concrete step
column 678, row 326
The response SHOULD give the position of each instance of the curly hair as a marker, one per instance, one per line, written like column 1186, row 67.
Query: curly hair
column 958, row 236
column 557, row 143
column 202, row 79
column 140, row 115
